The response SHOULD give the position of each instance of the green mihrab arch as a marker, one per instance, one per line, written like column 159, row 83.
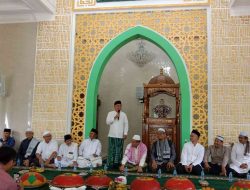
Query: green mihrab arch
column 111, row 48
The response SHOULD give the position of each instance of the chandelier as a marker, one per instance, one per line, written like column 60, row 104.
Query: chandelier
column 141, row 56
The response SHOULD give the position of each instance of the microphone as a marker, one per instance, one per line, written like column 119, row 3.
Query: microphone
column 118, row 114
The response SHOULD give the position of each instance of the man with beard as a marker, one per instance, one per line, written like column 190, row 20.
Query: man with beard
column 27, row 150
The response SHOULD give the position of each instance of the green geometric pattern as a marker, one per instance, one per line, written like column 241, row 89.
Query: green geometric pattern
column 31, row 179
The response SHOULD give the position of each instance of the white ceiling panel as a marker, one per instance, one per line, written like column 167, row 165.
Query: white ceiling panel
column 240, row 7
column 18, row 11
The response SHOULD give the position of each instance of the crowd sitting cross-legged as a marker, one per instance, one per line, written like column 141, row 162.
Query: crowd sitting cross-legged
column 217, row 159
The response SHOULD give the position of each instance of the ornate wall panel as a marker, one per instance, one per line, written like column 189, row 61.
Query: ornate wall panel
column 230, row 72
column 49, row 111
column 186, row 29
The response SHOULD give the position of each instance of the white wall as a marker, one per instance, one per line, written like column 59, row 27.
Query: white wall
column 17, row 62
column 119, row 81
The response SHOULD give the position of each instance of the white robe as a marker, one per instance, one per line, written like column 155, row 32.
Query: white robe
column 86, row 150
column 87, row 162
column 89, row 147
column 46, row 149
column 192, row 154
column 238, row 158
column 68, row 154
column 118, row 127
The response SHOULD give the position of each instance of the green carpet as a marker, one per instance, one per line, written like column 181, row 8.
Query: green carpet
column 219, row 183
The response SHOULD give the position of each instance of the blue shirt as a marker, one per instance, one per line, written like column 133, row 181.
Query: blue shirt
column 10, row 142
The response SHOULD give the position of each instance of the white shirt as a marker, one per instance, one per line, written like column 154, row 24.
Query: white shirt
column 89, row 147
column 69, row 152
column 192, row 154
column 125, row 158
column 238, row 158
column 46, row 149
column 118, row 127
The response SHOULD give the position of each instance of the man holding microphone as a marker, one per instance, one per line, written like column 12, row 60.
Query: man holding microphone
column 118, row 122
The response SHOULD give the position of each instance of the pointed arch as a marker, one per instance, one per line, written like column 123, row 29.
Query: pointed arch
column 113, row 46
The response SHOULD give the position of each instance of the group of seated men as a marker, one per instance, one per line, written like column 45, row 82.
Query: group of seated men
column 46, row 153
column 217, row 159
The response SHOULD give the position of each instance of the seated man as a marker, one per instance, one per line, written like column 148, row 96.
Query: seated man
column 90, row 151
column 7, row 140
column 27, row 150
column 240, row 157
column 191, row 156
column 219, row 155
column 67, row 154
column 135, row 155
column 163, row 152
column 7, row 157
column 47, row 150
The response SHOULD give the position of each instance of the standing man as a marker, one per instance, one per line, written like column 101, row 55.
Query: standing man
column 7, row 157
column 7, row 140
column 27, row 150
column 163, row 152
column 47, row 150
column 118, row 131
column 135, row 155
column 219, row 155
column 191, row 156
column 67, row 154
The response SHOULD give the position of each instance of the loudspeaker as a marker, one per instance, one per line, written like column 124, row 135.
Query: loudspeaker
column 139, row 93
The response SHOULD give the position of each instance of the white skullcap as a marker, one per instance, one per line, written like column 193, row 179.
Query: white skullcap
column 28, row 130
column 243, row 134
column 161, row 130
column 136, row 137
column 220, row 138
column 46, row 133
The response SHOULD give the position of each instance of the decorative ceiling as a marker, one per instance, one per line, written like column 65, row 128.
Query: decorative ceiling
column 19, row 11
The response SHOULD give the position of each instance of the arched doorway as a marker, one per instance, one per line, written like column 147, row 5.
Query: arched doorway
column 106, row 53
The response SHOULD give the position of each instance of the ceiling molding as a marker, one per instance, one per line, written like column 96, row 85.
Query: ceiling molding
column 93, row 5
column 20, row 11
column 240, row 7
